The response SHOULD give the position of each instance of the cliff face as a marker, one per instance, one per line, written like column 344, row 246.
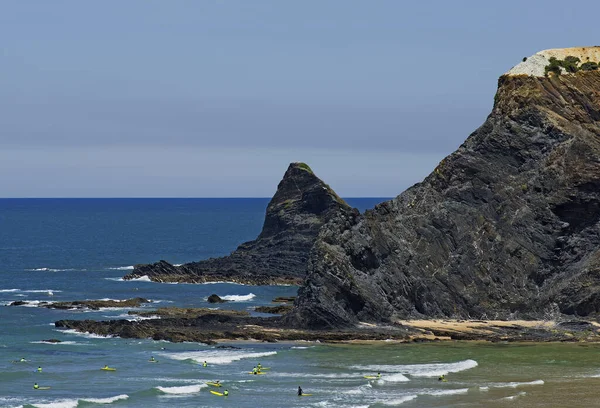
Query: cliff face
column 506, row 226
column 294, row 216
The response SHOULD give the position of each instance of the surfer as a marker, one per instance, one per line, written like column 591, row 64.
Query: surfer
column 442, row 378
column 39, row 369
column 378, row 375
column 255, row 370
column 22, row 360
column 205, row 364
column 152, row 359
column 36, row 386
column 299, row 391
column 259, row 366
column 225, row 393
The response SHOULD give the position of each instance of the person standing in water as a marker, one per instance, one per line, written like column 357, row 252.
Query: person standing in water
column 36, row 386
column 39, row 369
column 299, row 391
column 205, row 364
column 225, row 393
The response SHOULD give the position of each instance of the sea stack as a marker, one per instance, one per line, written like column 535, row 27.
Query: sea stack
column 505, row 227
column 302, row 204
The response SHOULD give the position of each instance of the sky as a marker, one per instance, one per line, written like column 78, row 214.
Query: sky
column 214, row 98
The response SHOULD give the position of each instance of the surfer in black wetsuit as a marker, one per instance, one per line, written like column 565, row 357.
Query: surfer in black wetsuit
column 299, row 391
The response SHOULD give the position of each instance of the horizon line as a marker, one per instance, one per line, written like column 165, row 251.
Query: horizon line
column 158, row 198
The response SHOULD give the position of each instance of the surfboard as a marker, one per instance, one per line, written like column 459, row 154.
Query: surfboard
column 42, row 388
column 108, row 369
column 220, row 394
column 371, row 377
column 305, row 395
column 250, row 372
column 153, row 361
column 214, row 384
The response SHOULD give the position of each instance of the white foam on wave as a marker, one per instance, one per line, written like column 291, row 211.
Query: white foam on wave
column 229, row 283
column 398, row 401
column 115, row 279
column 52, row 270
column 301, row 347
column 516, row 384
column 217, row 356
column 9, row 290
column 439, row 393
column 421, row 370
column 84, row 334
column 122, row 268
column 186, row 389
column 394, row 378
column 512, row 397
column 167, row 379
column 35, row 303
column 239, row 298
column 144, row 278
column 70, row 403
column 40, row 290
column 108, row 400
column 64, row 343
column 316, row 375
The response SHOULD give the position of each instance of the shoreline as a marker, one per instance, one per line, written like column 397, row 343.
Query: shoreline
column 213, row 327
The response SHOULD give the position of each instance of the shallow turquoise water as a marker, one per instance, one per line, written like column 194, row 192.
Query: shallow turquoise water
column 68, row 250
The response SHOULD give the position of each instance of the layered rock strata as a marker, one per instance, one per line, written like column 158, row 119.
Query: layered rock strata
column 505, row 227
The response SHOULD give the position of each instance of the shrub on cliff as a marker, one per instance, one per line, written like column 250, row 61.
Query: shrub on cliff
column 554, row 67
column 589, row 66
column 570, row 63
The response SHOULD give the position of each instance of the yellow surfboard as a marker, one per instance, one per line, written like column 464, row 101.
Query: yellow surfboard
column 220, row 394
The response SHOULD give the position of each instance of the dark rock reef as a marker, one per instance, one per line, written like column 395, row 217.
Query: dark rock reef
column 505, row 227
column 294, row 216
column 84, row 304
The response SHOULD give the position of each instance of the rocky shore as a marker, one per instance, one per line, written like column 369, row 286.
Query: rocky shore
column 84, row 304
column 213, row 326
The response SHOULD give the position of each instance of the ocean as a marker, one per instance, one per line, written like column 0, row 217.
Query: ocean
column 74, row 249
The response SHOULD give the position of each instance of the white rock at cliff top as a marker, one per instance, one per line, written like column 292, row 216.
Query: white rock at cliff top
column 534, row 66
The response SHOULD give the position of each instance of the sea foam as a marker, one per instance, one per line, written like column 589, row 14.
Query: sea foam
column 186, row 389
column 217, row 356
column 516, row 384
column 239, row 298
column 108, row 400
column 421, row 370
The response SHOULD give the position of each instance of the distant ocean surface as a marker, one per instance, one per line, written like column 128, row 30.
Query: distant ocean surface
column 74, row 249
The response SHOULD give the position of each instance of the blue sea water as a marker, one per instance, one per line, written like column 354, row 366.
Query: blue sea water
column 73, row 249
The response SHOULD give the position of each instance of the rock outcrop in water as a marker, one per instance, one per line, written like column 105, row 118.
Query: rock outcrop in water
column 300, row 207
column 507, row 226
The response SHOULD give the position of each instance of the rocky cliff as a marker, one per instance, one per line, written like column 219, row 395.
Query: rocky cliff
column 507, row 226
column 294, row 216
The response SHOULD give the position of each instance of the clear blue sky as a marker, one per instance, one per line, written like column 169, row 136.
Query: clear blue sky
column 213, row 98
